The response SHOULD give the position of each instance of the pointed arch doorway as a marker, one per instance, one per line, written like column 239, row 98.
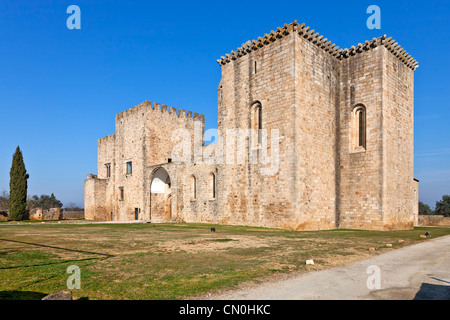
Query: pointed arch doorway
column 160, row 196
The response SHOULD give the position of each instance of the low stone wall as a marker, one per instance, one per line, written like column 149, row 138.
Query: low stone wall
column 68, row 215
column 44, row 214
column 433, row 220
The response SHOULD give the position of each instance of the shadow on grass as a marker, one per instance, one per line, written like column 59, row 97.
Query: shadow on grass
column 103, row 255
column 21, row 295
column 59, row 248
column 26, row 295
column 49, row 263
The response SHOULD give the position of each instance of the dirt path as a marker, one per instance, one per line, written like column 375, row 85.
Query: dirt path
column 420, row 271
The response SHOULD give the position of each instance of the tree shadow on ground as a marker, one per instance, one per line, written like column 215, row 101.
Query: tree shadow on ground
column 429, row 291
column 21, row 295
column 59, row 248
column 26, row 295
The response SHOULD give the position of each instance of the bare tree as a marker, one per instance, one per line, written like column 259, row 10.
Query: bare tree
column 4, row 200
column 72, row 207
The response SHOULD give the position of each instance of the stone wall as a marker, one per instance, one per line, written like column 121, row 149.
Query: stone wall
column 51, row 214
column 45, row 214
column 377, row 184
column 70, row 215
column 198, row 206
column 360, row 176
column 314, row 121
column 246, row 194
column 433, row 220
column 399, row 200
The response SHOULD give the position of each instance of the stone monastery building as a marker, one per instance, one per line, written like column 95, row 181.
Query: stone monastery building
column 310, row 137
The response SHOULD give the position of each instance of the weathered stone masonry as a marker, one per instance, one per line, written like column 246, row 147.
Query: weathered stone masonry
column 345, row 120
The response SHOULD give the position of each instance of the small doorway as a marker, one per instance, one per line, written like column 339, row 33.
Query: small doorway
column 168, row 209
column 136, row 213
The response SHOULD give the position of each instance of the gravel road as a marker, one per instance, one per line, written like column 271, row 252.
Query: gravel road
column 420, row 271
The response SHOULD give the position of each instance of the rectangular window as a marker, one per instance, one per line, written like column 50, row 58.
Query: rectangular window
column 121, row 193
column 129, row 167
column 213, row 185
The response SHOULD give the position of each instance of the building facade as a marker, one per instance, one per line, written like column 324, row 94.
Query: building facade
column 310, row 137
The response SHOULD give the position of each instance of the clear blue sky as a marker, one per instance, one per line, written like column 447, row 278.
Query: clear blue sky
column 60, row 88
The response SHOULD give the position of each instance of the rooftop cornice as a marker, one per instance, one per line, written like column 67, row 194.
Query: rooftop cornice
column 388, row 43
column 314, row 37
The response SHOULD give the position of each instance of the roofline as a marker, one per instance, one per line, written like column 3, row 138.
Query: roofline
column 325, row 44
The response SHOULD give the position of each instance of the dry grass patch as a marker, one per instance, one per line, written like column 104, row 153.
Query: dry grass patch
column 171, row 261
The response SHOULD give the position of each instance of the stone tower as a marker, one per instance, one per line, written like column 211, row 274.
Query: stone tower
column 345, row 121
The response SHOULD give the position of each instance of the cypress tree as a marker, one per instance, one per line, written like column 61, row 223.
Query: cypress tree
column 18, row 187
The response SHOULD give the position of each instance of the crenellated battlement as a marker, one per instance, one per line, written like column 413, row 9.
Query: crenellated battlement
column 389, row 43
column 107, row 139
column 150, row 107
column 253, row 45
column 317, row 39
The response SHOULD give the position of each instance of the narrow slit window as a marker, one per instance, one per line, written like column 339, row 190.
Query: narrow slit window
column 213, row 185
column 256, row 124
column 121, row 193
column 108, row 170
column 193, row 188
column 259, row 115
column 359, row 128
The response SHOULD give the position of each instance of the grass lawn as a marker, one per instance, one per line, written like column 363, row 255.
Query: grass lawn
column 172, row 261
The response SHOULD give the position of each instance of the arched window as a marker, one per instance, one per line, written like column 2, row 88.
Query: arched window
column 212, row 186
column 256, row 123
column 193, row 188
column 359, row 128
